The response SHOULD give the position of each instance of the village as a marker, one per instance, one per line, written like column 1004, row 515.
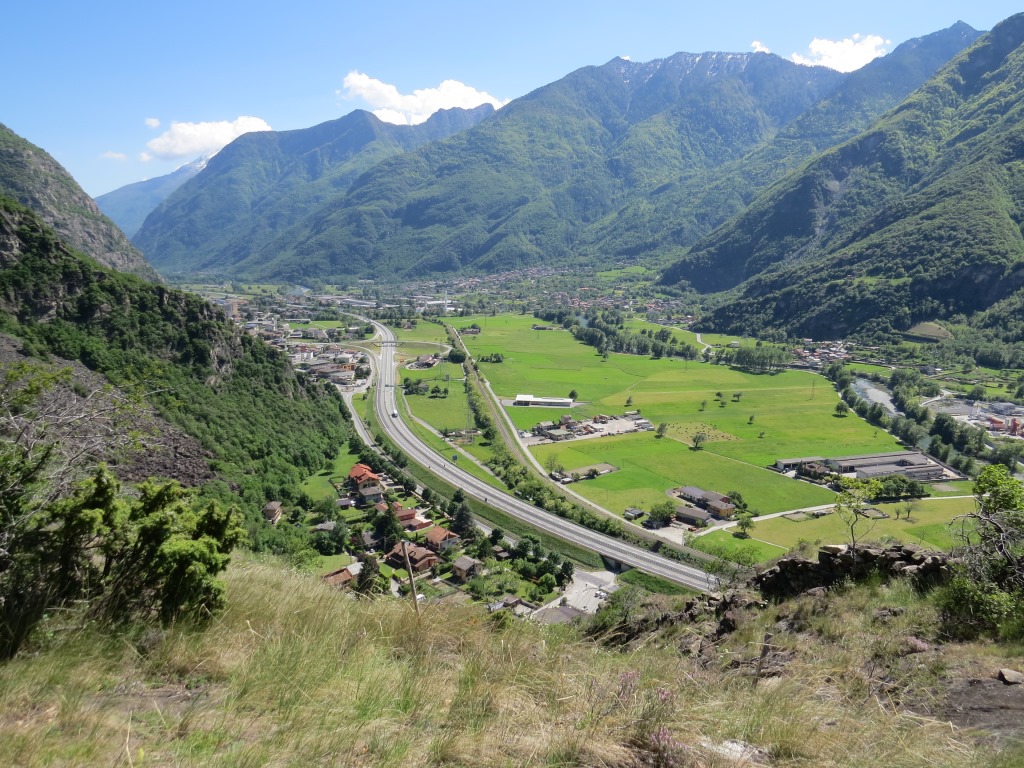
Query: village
column 394, row 539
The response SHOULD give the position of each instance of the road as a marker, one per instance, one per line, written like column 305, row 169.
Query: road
column 386, row 403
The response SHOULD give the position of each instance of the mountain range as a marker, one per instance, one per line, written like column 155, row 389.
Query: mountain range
column 259, row 186
column 795, row 199
column 129, row 206
column 915, row 218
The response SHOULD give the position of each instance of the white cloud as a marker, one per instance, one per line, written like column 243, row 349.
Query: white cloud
column 391, row 106
column 114, row 156
column 759, row 47
column 843, row 55
column 625, row 58
column 145, row 157
column 193, row 139
column 152, row 122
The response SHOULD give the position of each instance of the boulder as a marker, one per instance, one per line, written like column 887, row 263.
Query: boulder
column 1010, row 676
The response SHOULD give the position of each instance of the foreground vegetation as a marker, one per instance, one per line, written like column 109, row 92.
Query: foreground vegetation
column 295, row 674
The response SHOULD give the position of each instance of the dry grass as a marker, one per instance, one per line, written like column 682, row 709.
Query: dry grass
column 294, row 674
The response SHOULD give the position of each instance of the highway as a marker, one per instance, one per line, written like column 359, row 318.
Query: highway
column 386, row 404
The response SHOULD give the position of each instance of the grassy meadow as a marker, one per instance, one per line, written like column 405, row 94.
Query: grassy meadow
column 649, row 467
column 927, row 526
column 758, row 419
column 296, row 674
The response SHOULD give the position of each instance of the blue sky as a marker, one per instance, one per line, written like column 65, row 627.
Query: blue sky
column 123, row 91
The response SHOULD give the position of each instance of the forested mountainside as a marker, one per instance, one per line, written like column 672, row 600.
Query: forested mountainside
column 128, row 206
column 675, row 215
column 917, row 217
column 264, row 183
column 31, row 176
column 622, row 161
column 264, row 428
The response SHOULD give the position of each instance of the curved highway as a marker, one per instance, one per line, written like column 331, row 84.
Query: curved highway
column 386, row 404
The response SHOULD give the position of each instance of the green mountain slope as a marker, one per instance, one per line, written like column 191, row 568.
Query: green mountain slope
column 521, row 187
column 916, row 218
column 689, row 205
column 32, row 177
column 265, row 428
column 128, row 206
column 264, row 182
column 622, row 161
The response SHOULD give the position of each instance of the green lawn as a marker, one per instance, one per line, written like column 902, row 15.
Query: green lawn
column 319, row 486
column 653, row 583
column 729, row 545
column 922, row 528
column 331, row 563
column 869, row 368
column 649, row 467
column 422, row 331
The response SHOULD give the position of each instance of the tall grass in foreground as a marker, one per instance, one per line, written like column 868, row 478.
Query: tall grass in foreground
column 294, row 674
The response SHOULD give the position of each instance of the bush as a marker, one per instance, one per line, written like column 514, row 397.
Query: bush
column 971, row 609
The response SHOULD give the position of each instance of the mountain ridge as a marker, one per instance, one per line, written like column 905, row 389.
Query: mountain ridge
column 35, row 179
column 878, row 232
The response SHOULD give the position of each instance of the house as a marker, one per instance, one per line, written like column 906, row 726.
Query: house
column 464, row 568
column 344, row 576
column 693, row 516
column 717, row 503
column 420, row 558
column 272, row 512
column 367, row 485
column 411, row 520
column 501, row 554
column 370, row 494
column 360, row 474
column 441, row 539
column 633, row 513
column 371, row 540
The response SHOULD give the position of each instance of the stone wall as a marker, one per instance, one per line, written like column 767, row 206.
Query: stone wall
column 837, row 562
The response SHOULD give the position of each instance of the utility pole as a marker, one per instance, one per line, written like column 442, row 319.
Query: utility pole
column 412, row 582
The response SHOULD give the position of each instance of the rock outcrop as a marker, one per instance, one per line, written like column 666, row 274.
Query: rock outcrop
column 837, row 562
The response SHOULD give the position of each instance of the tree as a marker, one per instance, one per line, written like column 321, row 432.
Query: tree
column 663, row 513
column 842, row 409
column 703, row 404
column 629, row 401
column 698, row 440
column 462, row 521
column 67, row 541
column 387, row 527
column 574, row 395
column 745, row 522
column 985, row 594
column 851, row 506
column 662, row 429
column 369, row 581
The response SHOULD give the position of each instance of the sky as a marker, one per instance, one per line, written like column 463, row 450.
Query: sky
column 121, row 91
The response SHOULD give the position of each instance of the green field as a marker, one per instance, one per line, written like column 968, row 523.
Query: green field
column 760, row 417
column 423, row 331
column 729, row 545
column 649, row 467
column 792, row 410
column 926, row 526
